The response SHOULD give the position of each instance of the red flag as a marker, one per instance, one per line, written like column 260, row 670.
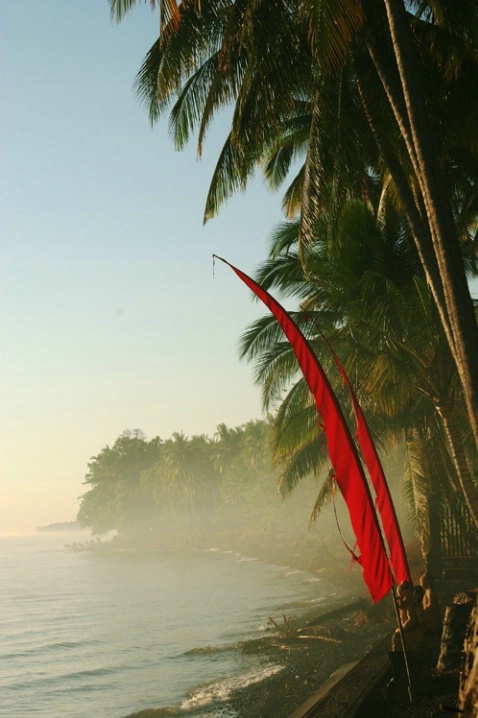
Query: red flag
column 386, row 509
column 348, row 470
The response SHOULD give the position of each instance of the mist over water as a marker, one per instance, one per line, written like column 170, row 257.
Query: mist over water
column 111, row 634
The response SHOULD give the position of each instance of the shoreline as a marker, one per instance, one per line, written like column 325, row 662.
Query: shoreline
column 352, row 628
column 305, row 669
column 351, row 625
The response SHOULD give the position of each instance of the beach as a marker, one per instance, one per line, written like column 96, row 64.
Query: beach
column 117, row 632
column 112, row 646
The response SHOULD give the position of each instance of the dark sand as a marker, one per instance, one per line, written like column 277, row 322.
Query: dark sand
column 308, row 663
column 434, row 696
column 308, row 666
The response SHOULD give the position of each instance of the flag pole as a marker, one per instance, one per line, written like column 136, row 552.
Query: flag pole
column 357, row 409
column 384, row 505
column 350, row 476
column 402, row 641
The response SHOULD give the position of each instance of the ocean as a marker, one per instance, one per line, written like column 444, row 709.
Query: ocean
column 110, row 634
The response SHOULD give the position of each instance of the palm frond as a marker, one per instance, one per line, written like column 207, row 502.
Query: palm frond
column 145, row 84
column 292, row 200
column 120, row 8
column 333, row 28
column 229, row 176
column 305, row 461
column 324, row 497
column 188, row 110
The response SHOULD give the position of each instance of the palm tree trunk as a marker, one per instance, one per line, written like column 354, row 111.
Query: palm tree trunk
column 191, row 499
column 426, row 247
column 312, row 181
column 412, row 201
column 418, row 228
column 439, row 213
column 458, row 454
column 421, row 506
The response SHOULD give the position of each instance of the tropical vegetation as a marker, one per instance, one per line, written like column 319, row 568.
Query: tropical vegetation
column 366, row 291
column 359, row 105
column 190, row 486
column 361, row 89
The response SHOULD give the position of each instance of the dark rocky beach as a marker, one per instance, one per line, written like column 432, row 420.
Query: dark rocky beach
column 435, row 692
column 347, row 626
column 306, row 665
column 356, row 628
column 311, row 646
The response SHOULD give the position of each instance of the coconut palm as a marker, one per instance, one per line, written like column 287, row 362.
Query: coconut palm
column 367, row 292
column 280, row 64
column 226, row 448
column 444, row 268
column 186, row 466
column 116, row 498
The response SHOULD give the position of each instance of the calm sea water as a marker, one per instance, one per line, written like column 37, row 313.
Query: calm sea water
column 107, row 635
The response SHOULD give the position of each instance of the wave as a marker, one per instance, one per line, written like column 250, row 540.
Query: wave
column 45, row 679
column 49, row 648
column 278, row 567
column 93, row 672
column 152, row 712
column 305, row 602
column 293, row 572
column 220, row 691
column 246, row 559
column 204, row 650
column 216, row 692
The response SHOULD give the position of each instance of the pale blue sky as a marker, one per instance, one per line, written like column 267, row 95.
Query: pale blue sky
column 110, row 316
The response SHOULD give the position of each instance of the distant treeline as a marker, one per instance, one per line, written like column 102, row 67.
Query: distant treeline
column 219, row 483
column 60, row 526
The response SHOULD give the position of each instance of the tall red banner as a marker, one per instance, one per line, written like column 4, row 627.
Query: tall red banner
column 385, row 507
column 348, row 470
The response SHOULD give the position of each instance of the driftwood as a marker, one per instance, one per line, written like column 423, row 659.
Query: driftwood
column 288, row 632
column 358, row 605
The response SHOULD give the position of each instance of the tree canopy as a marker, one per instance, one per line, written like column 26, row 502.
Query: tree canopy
column 367, row 93
column 366, row 292
column 358, row 109
column 139, row 485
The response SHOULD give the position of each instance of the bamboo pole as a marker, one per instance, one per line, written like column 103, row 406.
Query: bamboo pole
column 402, row 641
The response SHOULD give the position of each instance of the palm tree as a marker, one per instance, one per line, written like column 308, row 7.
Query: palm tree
column 227, row 447
column 116, row 496
column 449, row 283
column 256, row 445
column 179, row 467
column 306, row 83
column 231, row 459
column 366, row 289
column 292, row 65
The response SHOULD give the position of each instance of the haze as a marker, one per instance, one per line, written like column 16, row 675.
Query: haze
column 111, row 318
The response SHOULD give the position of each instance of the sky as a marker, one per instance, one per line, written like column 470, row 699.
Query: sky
column 111, row 317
